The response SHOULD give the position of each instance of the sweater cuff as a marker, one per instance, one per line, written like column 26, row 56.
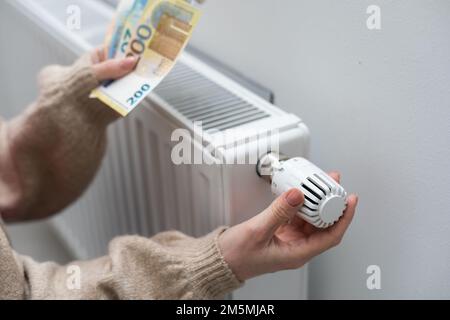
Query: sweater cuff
column 80, row 79
column 210, row 274
column 76, row 82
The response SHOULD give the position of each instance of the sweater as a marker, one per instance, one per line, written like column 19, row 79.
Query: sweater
column 48, row 157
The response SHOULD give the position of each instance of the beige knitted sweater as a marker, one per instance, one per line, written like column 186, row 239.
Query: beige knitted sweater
column 48, row 156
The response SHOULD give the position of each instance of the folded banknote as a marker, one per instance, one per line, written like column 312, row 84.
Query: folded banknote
column 155, row 31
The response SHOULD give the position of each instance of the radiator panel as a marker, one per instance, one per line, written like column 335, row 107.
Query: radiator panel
column 139, row 191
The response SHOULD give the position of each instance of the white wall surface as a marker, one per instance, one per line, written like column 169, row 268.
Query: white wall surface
column 378, row 106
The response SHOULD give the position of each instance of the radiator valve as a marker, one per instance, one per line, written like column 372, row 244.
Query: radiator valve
column 325, row 200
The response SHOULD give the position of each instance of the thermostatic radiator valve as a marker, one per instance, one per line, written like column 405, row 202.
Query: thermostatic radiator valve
column 325, row 200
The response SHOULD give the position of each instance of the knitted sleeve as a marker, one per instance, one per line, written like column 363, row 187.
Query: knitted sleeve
column 51, row 152
column 168, row 266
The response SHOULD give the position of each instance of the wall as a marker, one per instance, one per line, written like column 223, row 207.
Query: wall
column 378, row 106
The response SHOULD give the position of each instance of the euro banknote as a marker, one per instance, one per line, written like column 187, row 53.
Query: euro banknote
column 125, row 22
column 126, row 27
column 126, row 30
column 161, row 30
column 116, row 29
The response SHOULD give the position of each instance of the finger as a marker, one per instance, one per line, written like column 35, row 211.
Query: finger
column 323, row 240
column 297, row 253
column 281, row 211
column 336, row 176
column 98, row 55
column 309, row 229
column 114, row 69
column 338, row 230
column 333, row 235
column 298, row 222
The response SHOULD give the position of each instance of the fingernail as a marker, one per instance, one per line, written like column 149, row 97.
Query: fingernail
column 294, row 198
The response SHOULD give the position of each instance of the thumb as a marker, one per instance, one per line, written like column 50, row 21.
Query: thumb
column 280, row 212
column 114, row 68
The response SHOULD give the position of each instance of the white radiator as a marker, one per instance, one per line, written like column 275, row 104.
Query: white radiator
column 138, row 189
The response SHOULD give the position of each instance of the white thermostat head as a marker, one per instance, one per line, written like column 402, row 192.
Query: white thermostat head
column 325, row 199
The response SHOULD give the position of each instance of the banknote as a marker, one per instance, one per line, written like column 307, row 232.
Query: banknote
column 116, row 29
column 125, row 27
column 129, row 26
column 161, row 34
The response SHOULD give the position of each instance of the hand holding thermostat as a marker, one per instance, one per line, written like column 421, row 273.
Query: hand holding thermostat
column 278, row 239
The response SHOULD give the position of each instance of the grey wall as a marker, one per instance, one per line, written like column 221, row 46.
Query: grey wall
column 378, row 106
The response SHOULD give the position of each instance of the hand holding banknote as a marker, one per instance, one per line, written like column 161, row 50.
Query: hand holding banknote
column 107, row 69
column 153, row 31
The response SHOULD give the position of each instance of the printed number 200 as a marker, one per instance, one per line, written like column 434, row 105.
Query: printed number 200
column 132, row 100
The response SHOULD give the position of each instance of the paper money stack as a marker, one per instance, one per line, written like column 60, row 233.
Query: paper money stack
column 156, row 31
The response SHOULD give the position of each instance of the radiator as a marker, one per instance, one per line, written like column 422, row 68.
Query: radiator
column 139, row 190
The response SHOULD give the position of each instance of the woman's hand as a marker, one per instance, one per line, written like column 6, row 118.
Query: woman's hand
column 278, row 239
column 110, row 69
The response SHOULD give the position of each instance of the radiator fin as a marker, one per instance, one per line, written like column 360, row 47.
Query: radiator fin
column 200, row 99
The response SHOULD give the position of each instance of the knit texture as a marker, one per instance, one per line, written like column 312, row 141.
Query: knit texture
column 48, row 157
column 50, row 154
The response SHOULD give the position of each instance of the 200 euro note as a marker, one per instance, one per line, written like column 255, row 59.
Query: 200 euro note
column 127, row 18
column 116, row 28
column 161, row 34
column 128, row 27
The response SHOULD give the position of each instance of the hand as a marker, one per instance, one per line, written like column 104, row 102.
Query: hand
column 111, row 69
column 278, row 239
column 107, row 69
